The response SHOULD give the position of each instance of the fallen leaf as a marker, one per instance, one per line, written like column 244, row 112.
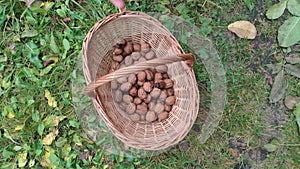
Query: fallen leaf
column 278, row 88
column 29, row 33
column 48, row 139
column 10, row 115
column 243, row 29
column 294, row 7
column 52, row 120
column 53, row 45
column 288, row 33
column 293, row 70
column 19, row 127
column 45, row 162
column 31, row 163
column 29, row 2
column 291, row 101
column 276, row 10
column 293, row 59
column 270, row 147
column 297, row 114
column 22, row 159
column 51, row 100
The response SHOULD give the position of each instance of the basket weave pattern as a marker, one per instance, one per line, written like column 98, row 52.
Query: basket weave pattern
column 96, row 55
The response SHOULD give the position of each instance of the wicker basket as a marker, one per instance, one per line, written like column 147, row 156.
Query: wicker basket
column 96, row 55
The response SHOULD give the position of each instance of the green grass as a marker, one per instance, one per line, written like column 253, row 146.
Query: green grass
column 30, row 37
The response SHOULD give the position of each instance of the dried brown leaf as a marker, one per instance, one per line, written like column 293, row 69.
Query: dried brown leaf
column 293, row 59
column 278, row 88
column 243, row 29
column 293, row 70
column 291, row 101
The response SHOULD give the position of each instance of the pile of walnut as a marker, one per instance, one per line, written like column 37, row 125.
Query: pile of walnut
column 147, row 96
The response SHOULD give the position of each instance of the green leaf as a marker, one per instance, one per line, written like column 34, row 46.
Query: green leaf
column 29, row 33
column 276, row 10
column 54, row 159
column 35, row 116
column 7, row 154
column 29, row 74
column 249, row 4
column 61, row 13
column 294, row 7
column 41, row 128
column 293, row 70
column 17, row 148
column 270, row 147
column 297, row 114
column 53, row 45
column 66, row 44
column 278, row 88
column 288, row 33
column 74, row 124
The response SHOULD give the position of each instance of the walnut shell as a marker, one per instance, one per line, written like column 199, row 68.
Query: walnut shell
column 133, row 91
column 136, row 47
column 125, row 87
column 148, row 99
column 118, row 58
column 142, row 59
column 142, row 117
column 170, row 100
column 135, row 117
column 130, row 109
column 166, row 76
column 140, row 83
column 151, row 116
column 117, row 51
column 155, row 93
column 151, row 105
column 150, row 55
column 142, row 93
column 159, row 108
column 121, row 42
column 141, row 109
column 137, row 101
column 162, row 116
column 127, row 98
column 160, row 84
column 161, row 68
column 132, row 79
column 163, row 96
column 136, row 55
column 148, row 86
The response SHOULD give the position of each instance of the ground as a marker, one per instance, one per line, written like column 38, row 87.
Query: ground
column 39, row 48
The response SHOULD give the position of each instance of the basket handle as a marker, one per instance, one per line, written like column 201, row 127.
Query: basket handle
column 90, row 88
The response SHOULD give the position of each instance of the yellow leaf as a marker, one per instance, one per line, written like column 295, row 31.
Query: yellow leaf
column 106, row 166
column 51, row 100
column 243, row 29
column 19, row 127
column 53, row 120
column 31, row 162
column 22, row 159
column 10, row 115
column 48, row 139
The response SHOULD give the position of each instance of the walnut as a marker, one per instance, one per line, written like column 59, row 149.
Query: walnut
column 169, row 83
column 137, row 47
column 140, row 83
column 159, row 108
column 121, row 43
column 126, row 86
column 118, row 58
column 148, row 86
column 149, row 75
column 141, row 76
column 148, row 99
column 130, row 109
column 168, row 108
column 128, row 49
column 133, row 91
column 170, row 100
column 151, row 105
column 145, row 46
column 136, row 55
column 118, row 96
column 157, row 77
column 134, row 117
column 128, row 61
column 163, row 96
column 117, row 51
column 142, row 59
column 114, row 84
column 166, row 76
column 151, row 116
column 142, row 93
column 127, row 98
column 137, row 101
column 150, row 55
column 132, row 79
column 160, row 84
column 161, row 68
column 141, row 109
column 155, row 93
column 162, row 116
column 122, row 80
column 170, row 92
